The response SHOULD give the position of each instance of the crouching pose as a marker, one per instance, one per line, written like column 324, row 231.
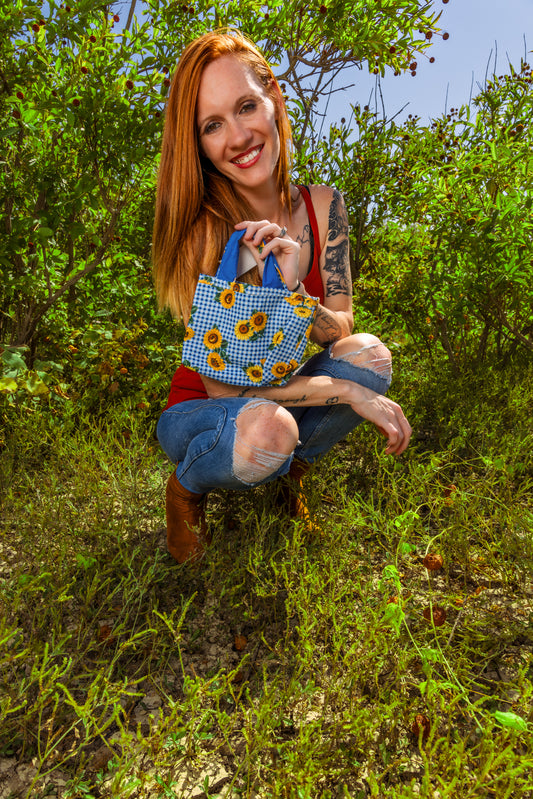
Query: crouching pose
column 225, row 166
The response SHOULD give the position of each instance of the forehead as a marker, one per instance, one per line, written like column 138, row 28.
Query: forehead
column 223, row 82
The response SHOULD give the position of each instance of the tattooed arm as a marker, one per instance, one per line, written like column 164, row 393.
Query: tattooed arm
column 303, row 391
column 334, row 319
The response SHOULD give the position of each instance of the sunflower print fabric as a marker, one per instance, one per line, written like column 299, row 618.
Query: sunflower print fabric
column 247, row 335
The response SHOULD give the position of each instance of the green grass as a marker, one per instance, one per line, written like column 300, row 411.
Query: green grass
column 119, row 673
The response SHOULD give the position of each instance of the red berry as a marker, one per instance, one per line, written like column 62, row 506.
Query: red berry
column 166, row 82
column 92, row 38
column 20, row 95
column 165, row 70
column 54, row 93
column 429, row 35
column 116, row 18
column 36, row 27
column 432, row 60
column 392, row 49
column 323, row 10
column 413, row 65
column 445, row 36
column 76, row 102
column 15, row 113
column 68, row 9
column 84, row 70
column 129, row 84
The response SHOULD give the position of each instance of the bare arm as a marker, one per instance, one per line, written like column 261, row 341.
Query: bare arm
column 334, row 319
column 301, row 391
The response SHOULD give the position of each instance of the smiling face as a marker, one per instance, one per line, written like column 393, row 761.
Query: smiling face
column 236, row 121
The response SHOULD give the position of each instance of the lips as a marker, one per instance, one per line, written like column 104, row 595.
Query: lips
column 248, row 158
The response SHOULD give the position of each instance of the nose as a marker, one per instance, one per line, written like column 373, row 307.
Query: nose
column 239, row 134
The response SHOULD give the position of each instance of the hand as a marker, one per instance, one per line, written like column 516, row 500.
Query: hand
column 286, row 250
column 387, row 416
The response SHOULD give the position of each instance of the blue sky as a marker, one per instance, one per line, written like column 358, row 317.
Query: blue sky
column 476, row 27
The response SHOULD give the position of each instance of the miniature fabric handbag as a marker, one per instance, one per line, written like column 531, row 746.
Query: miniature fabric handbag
column 243, row 334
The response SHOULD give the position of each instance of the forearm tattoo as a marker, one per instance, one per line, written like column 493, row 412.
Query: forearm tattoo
column 337, row 264
column 327, row 323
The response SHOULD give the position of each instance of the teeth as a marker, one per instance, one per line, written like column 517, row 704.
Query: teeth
column 247, row 158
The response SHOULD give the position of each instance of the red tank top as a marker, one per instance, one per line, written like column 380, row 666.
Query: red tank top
column 186, row 384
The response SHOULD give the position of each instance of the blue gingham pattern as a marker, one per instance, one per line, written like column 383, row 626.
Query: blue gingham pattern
column 247, row 335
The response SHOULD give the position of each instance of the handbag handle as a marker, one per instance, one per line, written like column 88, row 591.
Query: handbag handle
column 227, row 270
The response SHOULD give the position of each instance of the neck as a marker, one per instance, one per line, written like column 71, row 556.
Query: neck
column 267, row 204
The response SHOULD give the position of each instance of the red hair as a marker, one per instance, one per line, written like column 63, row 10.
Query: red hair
column 196, row 206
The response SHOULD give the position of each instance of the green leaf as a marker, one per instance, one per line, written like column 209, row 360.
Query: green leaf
column 35, row 386
column 8, row 385
column 45, row 233
column 510, row 720
column 13, row 360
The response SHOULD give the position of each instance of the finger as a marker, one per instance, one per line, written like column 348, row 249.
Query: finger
column 276, row 244
column 399, row 436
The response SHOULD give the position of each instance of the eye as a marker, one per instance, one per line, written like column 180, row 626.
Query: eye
column 211, row 127
column 249, row 106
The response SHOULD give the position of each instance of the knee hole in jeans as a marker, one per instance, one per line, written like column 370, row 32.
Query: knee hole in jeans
column 265, row 437
column 373, row 355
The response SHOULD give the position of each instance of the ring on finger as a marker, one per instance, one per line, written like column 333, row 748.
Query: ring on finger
column 282, row 232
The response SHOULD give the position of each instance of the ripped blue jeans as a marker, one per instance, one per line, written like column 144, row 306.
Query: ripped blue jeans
column 200, row 435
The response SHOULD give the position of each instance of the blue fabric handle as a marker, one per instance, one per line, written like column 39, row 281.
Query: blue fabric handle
column 227, row 270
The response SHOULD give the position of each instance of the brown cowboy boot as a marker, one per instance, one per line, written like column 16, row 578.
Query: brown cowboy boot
column 292, row 494
column 187, row 535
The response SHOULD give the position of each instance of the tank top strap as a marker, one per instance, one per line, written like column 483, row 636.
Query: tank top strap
column 306, row 194
column 313, row 281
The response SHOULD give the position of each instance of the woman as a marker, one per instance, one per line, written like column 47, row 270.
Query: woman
column 225, row 166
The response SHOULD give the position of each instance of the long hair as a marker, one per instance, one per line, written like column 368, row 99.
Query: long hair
column 197, row 206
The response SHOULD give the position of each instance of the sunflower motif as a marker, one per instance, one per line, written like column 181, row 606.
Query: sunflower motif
column 293, row 364
column 278, row 337
column 215, row 361
column 237, row 288
column 212, row 339
column 255, row 373
column 280, row 369
column 258, row 321
column 310, row 302
column 303, row 312
column 294, row 299
column 226, row 298
column 189, row 333
column 244, row 330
